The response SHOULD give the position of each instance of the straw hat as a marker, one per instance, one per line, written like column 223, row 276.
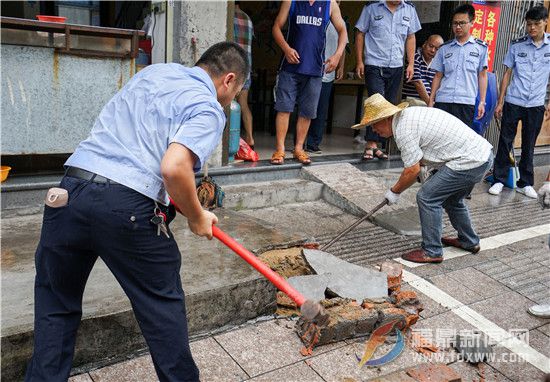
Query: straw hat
column 376, row 108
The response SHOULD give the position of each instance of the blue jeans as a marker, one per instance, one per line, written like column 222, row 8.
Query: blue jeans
column 317, row 127
column 112, row 222
column 385, row 81
column 446, row 189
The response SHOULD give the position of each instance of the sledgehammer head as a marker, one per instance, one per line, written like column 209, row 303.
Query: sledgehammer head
column 314, row 312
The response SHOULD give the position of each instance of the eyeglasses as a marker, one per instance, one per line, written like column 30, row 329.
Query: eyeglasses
column 461, row 24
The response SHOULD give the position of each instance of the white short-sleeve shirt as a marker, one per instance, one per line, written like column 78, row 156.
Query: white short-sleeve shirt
column 435, row 137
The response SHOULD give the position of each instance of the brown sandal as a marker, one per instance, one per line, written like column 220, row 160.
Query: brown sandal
column 302, row 157
column 278, row 157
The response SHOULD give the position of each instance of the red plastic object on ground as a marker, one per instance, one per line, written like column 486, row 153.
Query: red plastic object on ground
column 246, row 153
column 52, row 19
column 249, row 257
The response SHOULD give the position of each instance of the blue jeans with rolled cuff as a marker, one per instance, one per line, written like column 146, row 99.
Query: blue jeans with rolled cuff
column 447, row 189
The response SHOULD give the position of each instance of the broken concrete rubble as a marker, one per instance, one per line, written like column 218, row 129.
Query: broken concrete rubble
column 348, row 317
column 312, row 287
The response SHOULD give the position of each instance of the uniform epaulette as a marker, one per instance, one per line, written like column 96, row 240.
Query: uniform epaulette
column 370, row 3
column 448, row 42
column 521, row 39
column 481, row 42
column 410, row 3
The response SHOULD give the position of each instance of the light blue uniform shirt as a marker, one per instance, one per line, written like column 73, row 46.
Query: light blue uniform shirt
column 531, row 69
column 386, row 32
column 161, row 104
column 460, row 65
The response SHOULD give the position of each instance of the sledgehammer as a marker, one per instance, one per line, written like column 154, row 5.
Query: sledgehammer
column 311, row 310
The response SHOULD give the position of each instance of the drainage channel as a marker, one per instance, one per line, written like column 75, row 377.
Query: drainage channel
column 370, row 244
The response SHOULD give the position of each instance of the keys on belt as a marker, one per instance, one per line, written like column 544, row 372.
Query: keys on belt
column 159, row 219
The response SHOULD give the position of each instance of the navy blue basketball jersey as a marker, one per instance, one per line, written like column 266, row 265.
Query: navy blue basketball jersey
column 307, row 26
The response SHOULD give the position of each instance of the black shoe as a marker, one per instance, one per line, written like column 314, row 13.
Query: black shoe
column 314, row 150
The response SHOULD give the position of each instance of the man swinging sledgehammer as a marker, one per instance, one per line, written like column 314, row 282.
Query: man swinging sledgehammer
column 428, row 136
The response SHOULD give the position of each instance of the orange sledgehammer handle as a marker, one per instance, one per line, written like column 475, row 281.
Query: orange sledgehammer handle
column 275, row 278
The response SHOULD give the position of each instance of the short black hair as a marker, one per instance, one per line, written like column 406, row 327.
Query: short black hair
column 537, row 13
column 465, row 9
column 225, row 57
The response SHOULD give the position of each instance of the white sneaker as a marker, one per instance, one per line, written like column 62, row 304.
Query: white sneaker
column 496, row 188
column 359, row 139
column 527, row 191
column 542, row 311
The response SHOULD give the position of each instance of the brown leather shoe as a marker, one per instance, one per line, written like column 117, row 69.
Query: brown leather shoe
column 453, row 242
column 419, row 256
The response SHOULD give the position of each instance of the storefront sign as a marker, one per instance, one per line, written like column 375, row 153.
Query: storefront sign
column 485, row 26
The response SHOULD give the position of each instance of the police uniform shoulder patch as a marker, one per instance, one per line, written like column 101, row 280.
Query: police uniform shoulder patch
column 521, row 39
column 481, row 42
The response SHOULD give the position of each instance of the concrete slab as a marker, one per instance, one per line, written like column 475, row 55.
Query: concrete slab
column 545, row 329
column 346, row 279
column 214, row 363
column 137, row 369
column 346, row 365
column 210, row 272
column 294, row 373
column 356, row 191
column 513, row 367
column 496, row 309
column 480, row 284
column 540, row 342
column 262, row 348
column 456, row 289
column 312, row 287
column 474, row 373
column 270, row 194
column 81, row 378
column 403, row 222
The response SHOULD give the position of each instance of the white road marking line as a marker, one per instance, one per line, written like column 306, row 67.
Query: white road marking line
column 492, row 330
column 491, row 242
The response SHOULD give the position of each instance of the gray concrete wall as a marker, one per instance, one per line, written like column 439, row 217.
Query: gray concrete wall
column 206, row 21
column 50, row 100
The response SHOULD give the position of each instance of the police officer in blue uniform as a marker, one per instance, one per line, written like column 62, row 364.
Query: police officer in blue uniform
column 521, row 98
column 461, row 66
column 385, row 30
column 146, row 144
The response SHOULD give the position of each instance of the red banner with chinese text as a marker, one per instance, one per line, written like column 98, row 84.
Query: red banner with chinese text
column 485, row 26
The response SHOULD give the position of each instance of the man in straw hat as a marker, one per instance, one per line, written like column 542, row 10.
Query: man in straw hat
column 433, row 137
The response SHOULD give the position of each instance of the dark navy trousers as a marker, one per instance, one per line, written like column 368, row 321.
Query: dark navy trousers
column 112, row 222
column 385, row 81
column 531, row 122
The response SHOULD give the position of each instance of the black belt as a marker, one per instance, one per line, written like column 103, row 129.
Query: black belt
column 79, row 173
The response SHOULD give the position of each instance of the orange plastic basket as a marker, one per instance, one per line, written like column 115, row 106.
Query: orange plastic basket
column 51, row 19
column 4, row 171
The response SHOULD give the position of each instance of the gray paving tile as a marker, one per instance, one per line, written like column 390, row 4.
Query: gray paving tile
column 137, row 369
column 473, row 373
column 525, row 278
column 514, row 367
column 262, row 347
column 456, row 289
column 545, row 329
column 81, row 378
column 299, row 372
column 214, row 363
column 478, row 282
column 508, row 310
column 340, row 364
column 540, row 342
column 532, row 288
